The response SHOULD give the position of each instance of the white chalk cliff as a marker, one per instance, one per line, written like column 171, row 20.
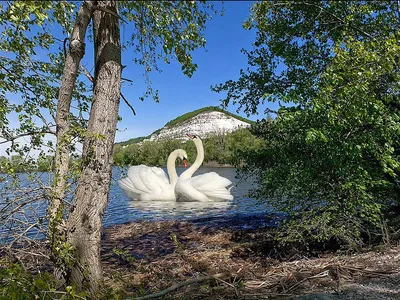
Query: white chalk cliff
column 203, row 124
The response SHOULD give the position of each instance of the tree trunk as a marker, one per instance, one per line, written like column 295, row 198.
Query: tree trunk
column 84, row 223
column 73, row 57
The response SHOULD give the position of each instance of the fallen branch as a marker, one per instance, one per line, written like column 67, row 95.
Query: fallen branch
column 179, row 285
column 228, row 284
column 21, row 235
column 319, row 275
column 378, row 273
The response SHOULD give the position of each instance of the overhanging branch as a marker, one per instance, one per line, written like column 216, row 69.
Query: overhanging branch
column 129, row 105
column 13, row 138
column 90, row 77
column 338, row 19
column 106, row 10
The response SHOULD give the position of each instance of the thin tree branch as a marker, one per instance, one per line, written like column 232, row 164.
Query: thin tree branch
column 338, row 18
column 90, row 77
column 13, row 138
column 32, row 91
column 126, row 79
column 16, row 79
column 32, row 253
column 86, row 73
column 327, row 12
column 110, row 12
column 129, row 105
column 21, row 235
column 46, row 123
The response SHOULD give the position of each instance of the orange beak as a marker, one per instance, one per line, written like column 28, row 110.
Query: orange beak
column 185, row 162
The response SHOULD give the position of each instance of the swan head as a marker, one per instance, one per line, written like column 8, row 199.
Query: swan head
column 183, row 156
column 193, row 137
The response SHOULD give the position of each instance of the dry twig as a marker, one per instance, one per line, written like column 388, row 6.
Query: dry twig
column 179, row 285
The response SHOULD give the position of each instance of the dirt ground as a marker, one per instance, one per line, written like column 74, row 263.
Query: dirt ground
column 196, row 261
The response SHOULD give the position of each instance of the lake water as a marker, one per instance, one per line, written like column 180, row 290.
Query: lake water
column 121, row 209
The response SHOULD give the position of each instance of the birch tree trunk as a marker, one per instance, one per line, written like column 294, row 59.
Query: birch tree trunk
column 73, row 58
column 84, row 223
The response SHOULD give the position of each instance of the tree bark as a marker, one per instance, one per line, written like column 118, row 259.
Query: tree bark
column 73, row 57
column 84, row 223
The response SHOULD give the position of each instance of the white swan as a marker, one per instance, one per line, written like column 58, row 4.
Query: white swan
column 151, row 183
column 201, row 188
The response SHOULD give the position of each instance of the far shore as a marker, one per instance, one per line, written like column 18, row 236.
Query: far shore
column 211, row 164
column 214, row 164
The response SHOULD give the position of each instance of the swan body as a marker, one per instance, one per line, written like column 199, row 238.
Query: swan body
column 201, row 188
column 151, row 183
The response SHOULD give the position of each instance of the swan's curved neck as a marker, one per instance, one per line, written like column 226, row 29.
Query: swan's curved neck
column 173, row 176
column 197, row 163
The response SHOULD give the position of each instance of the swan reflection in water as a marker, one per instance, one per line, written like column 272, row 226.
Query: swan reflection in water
column 179, row 209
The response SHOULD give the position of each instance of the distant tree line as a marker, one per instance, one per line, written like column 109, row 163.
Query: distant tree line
column 220, row 149
column 19, row 164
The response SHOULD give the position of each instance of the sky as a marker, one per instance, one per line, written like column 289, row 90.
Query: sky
column 219, row 62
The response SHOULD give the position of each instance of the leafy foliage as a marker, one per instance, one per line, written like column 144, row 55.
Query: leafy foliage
column 18, row 284
column 30, row 80
column 166, row 31
column 31, row 69
column 331, row 159
column 219, row 149
column 294, row 45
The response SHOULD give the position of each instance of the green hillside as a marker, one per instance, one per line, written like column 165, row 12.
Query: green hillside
column 132, row 141
column 194, row 113
column 184, row 118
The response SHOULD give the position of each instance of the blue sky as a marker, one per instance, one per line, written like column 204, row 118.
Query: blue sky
column 220, row 61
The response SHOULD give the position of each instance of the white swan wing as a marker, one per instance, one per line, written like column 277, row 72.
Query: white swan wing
column 129, row 189
column 151, row 179
column 134, row 175
column 209, row 181
column 160, row 173
column 143, row 180
column 212, row 185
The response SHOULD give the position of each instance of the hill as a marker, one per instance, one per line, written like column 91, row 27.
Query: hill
column 206, row 121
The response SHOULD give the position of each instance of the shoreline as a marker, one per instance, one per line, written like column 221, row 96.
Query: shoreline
column 178, row 251
column 207, row 165
column 146, row 257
